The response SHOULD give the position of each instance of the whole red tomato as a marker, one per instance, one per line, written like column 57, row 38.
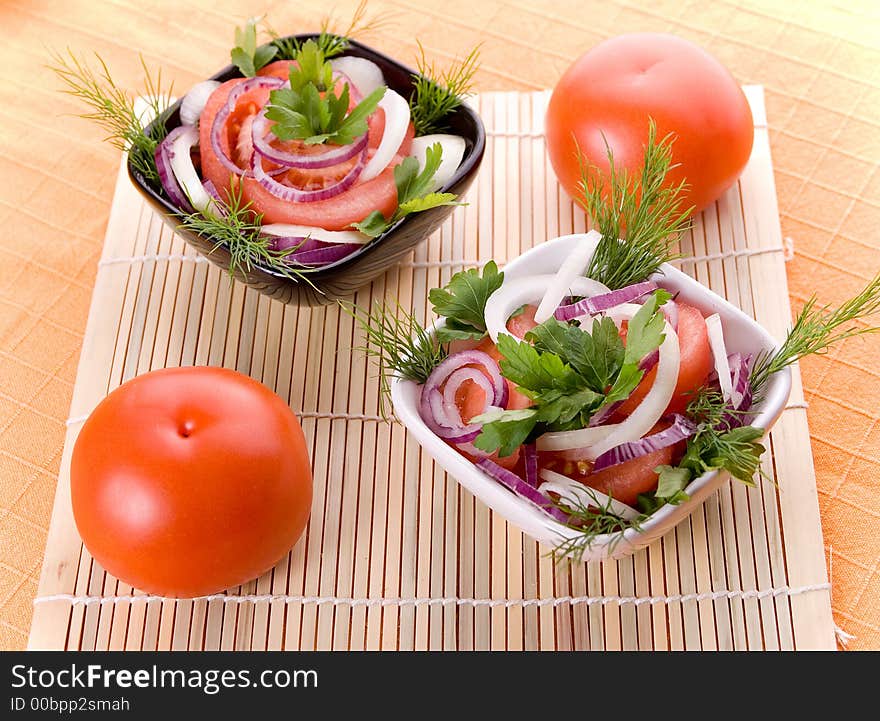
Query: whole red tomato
column 187, row 481
column 618, row 85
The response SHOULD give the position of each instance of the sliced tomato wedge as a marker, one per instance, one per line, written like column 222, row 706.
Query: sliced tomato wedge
column 694, row 369
column 245, row 109
column 625, row 481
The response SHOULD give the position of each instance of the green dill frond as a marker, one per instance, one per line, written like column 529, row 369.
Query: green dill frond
column 815, row 330
column 437, row 94
column 397, row 342
column 113, row 109
column 332, row 41
column 591, row 520
column 638, row 209
column 238, row 230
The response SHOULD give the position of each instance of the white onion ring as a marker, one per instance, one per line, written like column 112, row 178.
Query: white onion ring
column 654, row 404
column 194, row 101
column 579, row 494
column 396, row 124
column 574, row 266
column 363, row 75
column 453, row 151
column 570, row 440
column 184, row 171
column 516, row 292
column 284, row 230
column 719, row 353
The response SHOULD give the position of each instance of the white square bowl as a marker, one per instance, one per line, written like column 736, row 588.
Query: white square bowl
column 742, row 334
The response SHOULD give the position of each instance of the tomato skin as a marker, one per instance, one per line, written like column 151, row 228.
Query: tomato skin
column 187, row 481
column 694, row 368
column 611, row 91
column 625, row 481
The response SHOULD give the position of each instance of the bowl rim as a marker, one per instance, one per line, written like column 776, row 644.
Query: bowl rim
column 474, row 151
column 771, row 407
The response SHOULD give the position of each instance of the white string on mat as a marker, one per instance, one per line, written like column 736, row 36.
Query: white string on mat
column 748, row 252
column 474, row 602
column 160, row 256
column 787, row 250
column 529, row 134
column 302, row 414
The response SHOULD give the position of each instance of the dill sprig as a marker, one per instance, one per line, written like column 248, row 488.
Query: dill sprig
column 815, row 330
column 331, row 42
column 591, row 519
column 237, row 228
column 397, row 342
column 436, row 94
column 638, row 209
column 114, row 110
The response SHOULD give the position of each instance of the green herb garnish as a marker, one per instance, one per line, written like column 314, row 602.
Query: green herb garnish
column 591, row 518
column 398, row 342
column 463, row 302
column 309, row 110
column 569, row 373
column 413, row 194
column 437, row 94
column 718, row 446
column 114, row 110
column 647, row 216
column 331, row 43
column 246, row 56
column 815, row 330
column 238, row 229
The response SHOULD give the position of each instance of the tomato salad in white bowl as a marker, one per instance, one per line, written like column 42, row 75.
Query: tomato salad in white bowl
column 591, row 393
column 305, row 153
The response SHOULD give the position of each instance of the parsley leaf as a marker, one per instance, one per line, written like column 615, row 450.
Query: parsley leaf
column 671, row 484
column 597, row 355
column 412, row 192
column 246, row 56
column 463, row 302
column 569, row 372
column 310, row 110
column 506, row 432
column 305, row 115
column 643, row 336
column 533, row 371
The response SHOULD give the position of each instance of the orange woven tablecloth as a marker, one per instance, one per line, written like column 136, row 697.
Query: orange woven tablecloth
column 820, row 66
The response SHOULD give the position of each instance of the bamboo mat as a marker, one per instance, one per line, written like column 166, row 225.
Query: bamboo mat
column 396, row 555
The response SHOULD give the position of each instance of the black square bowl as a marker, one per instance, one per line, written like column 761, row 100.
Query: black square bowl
column 341, row 279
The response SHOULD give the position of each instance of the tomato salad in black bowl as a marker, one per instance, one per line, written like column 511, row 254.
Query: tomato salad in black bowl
column 307, row 167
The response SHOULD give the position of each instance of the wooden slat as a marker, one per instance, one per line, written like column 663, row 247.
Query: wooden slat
column 387, row 523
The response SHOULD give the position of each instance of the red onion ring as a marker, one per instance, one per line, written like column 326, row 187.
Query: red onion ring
column 301, row 244
column 680, row 429
column 598, row 303
column 521, row 488
column 163, row 155
column 291, row 194
column 436, row 413
column 223, row 114
column 457, row 379
column 263, row 138
column 322, row 256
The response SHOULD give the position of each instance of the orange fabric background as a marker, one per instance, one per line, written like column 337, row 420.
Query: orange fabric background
column 819, row 63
